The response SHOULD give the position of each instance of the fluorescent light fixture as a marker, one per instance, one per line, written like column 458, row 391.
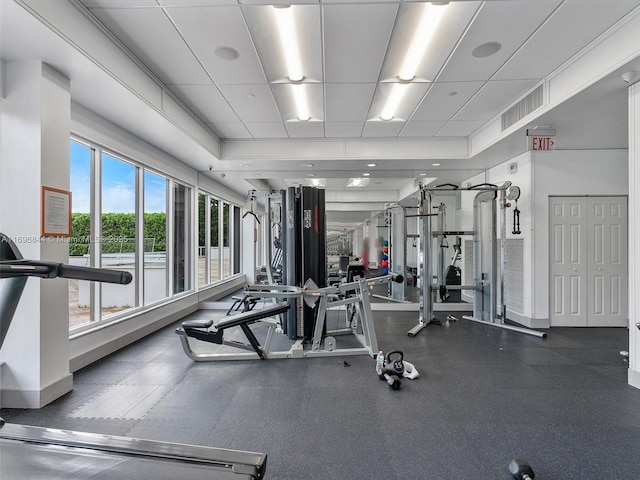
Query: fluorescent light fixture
column 432, row 14
column 316, row 182
column 367, row 174
column 395, row 97
column 289, row 41
column 371, row 164
column 300, row 97
column 358, row 182
column 427, row 26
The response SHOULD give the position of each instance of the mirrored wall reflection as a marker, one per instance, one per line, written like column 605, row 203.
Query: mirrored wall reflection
column 155, row 238
column 79, row 244
column 118, row 232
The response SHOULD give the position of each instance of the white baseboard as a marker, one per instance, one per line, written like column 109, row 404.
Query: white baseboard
column 37, row 398
column 634, row 378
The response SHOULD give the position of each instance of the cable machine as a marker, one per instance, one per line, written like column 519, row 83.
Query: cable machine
column 488, row 255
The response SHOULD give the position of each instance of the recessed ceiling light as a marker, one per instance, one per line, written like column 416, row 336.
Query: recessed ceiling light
column 246, row 165
column 423, row 174
column 309, row 165
column 226, row 53
column 436, row 164
column 486, row 49
column 366, row 174
column 257, row 174
column 371, row 165
column 251, row 95
column 311, row 174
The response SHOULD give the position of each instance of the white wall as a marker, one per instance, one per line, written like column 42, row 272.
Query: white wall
column 34, row 152
column 540, row 175
column 583, row 172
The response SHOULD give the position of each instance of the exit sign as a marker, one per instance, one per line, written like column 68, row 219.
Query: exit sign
column 541, row 138
column 546, row 142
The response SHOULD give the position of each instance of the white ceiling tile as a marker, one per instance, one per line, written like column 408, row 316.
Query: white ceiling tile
column 267, row 130
column 444, row 99
column 508, row 23
column 262, row 25
column 420, row 129
column 118, row 3
column 343, row 129
column 230, row 130
column 355, row 41
column 207, row 102
column 494, row 97
column 452, row 26
column 197, row 3
column 149, row 34
column 277, row 2
column 209, row 28
column 328, row 2
column 308, row 129
column 252, row 103
column 553, row 43
column 379, row 128
column 460, row 128
column 348, row 102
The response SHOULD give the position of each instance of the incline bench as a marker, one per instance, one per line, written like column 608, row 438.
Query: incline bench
column 201, row 330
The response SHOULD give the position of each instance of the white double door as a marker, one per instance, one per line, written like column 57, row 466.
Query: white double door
column 588, row 261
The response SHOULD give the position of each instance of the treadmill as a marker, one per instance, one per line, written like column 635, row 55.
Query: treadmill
column 46, row 453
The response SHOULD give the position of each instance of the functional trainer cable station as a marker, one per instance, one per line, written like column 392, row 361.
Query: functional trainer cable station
column 488, row 255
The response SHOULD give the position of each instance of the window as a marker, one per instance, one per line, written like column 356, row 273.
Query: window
column 236, row 239
column 132, row 219
column 226, row 226
column 218, row 239
column 181, row 261
column 214, row 235
column 118, row 232
column 203, row 277
column 155, row 238
column 79, row 244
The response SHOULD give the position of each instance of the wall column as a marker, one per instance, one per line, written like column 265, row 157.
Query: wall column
column 634, row 239
column 35, row 115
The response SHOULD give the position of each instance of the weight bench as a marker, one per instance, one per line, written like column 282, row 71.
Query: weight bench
column 202, row 329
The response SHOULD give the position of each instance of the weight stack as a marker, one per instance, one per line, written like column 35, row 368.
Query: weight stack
column 292, row 264
column 314, row 248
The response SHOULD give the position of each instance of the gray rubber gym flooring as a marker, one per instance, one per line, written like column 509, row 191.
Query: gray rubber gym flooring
column 484, row 396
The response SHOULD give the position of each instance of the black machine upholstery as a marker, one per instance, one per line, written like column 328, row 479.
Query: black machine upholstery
column 200, row 329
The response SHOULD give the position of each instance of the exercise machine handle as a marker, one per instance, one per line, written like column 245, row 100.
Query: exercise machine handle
column 95, row 274
column 43, row 269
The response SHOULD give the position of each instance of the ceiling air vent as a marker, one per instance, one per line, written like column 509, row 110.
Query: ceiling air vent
column 523, row 108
